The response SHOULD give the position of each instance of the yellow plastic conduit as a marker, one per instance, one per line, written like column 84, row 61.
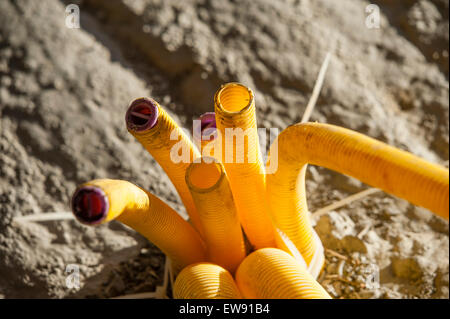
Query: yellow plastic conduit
column 235, row 109
column 271, row 273
column 150, row 124
column 205, row 281
column 211, row 192
column 103, row 200
column 375, row 163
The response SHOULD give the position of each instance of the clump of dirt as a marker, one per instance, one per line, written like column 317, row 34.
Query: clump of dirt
column 64, row 93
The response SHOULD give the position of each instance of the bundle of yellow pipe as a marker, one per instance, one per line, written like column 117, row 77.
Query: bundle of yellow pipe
column 229, row 197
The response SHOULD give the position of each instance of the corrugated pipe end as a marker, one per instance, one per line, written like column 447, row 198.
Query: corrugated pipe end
column 90, row 205
column 205, row 175
column 142, row 115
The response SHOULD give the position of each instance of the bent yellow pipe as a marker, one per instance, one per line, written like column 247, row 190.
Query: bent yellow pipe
column 211, row 192
column 375, row 163
column 236, row 121
column 150, row 124
column 205, row 281
column 103, row 200
column 271, row 273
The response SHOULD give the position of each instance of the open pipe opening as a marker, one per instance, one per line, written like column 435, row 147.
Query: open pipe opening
column 90, row 205
column 204, row 176
column 142, row 115
column 234, row 97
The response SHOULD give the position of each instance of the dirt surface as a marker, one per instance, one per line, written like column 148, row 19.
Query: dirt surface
column 64, row 93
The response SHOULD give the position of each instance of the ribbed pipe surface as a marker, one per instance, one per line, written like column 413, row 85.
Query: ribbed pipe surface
column 212, row 196
column 235, row 110
column 271, row 273
column 205, row 281
column 375, row 163
column 149, row 216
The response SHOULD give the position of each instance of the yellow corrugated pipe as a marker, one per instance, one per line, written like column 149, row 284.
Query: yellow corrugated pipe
column 150, row 124
column 375, row 163
column 211, row 192
column 271, row 273
column 103, row 200
column 205, row 281
column 235, row 110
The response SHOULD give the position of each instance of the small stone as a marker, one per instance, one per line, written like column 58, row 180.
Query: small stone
column 331, row 268
column 349, row 289
column 338, row 287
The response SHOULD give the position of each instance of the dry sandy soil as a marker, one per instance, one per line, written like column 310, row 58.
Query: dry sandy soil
column 64, row 93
